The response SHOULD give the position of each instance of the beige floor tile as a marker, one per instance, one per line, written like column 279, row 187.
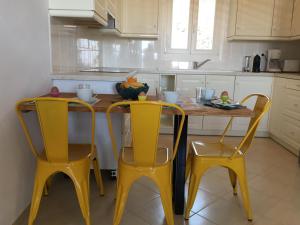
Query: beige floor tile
column 225, row 212
column 139, row 195
column 194, row 220
column 284, row 213
column 203, row 199
column 268, row 186
column 148, row 183
column 261, row 203
column 267, row 221
column 215, row 184
column 152, row 212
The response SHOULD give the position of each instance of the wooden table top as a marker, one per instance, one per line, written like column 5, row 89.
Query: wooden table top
column 193, row 109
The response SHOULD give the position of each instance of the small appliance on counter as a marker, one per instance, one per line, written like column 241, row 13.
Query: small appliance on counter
column 247, row 64
column 256, row 64
column 291, row 65
column 273, row 62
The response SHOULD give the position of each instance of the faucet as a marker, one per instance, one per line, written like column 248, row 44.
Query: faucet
column 197, row 65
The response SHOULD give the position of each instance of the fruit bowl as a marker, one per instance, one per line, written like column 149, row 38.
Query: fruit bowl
column 130, row 92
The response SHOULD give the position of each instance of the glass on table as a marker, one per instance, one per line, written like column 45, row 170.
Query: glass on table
column 198, row 94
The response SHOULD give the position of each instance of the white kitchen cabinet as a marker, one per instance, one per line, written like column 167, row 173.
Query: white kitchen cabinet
column 254, row 17
column 285, row 113
column 112, row 7
column 278, row 99
column 282, row 18
column 296, row 19
column 264, row 20
column 244, row 86
column 186, row 86
column 217, row 124
column 152, row 80
column 140, row 18
column 88, row 9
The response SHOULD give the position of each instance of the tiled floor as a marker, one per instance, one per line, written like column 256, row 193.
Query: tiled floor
column 274, row 182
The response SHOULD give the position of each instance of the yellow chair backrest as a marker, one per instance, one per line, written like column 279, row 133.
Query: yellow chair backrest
column 261, row 107
column 53, row 120
column 145, row 128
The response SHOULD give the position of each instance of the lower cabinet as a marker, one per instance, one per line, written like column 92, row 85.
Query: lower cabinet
column 285, row 113
column 244, row 86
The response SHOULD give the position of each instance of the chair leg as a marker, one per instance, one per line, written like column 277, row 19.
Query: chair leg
column 188, row 164
column 82, row 190
column 47, row 185
column 233, row 179
column 245, row 192
column 98, row 176
column 193, row 189
column 166, row 198
column 39, row 184
column 122, row 194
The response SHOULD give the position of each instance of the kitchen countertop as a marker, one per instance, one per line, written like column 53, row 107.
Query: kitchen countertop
column 107, row 76
column 120, row 74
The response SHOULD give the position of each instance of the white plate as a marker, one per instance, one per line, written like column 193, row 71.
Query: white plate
column 220, row 102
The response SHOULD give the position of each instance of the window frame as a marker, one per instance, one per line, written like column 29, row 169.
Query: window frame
column 168, row 48
column 191, row 52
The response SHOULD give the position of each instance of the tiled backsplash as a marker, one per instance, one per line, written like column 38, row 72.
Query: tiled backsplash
column 78, row 47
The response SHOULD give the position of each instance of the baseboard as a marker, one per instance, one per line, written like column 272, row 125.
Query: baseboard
column 286, row 145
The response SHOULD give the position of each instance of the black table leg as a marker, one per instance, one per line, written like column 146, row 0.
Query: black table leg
column 179, row 166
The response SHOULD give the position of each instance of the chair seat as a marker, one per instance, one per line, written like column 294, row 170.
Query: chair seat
column 204, row 149
column 163, row 155
column 76, row 152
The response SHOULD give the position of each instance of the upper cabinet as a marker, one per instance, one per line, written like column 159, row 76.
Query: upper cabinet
column 263, row 19
column 86, row 9
column 133, row 18
column 139, row 18
column 112, row 7
column 282, row 20
column 254, row 17
column 296, row 19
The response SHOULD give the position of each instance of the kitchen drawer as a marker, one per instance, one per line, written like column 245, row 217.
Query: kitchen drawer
column 293, row 84
column 290, row 132
column 292, row 104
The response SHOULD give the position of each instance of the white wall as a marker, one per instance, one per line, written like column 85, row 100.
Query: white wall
column 24, row 72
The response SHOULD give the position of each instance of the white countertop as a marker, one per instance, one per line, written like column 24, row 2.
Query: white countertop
column 120, row 74
column 106, row 76
column 113, row 77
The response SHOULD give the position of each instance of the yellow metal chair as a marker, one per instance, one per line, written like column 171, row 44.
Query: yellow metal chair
column 144, row 158
column 58, row 155
column 203, row 156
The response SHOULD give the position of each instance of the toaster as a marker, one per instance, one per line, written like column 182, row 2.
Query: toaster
column 291, row 65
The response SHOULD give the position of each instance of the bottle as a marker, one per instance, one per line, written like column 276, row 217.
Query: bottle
column 256, row 64
column 263, row 63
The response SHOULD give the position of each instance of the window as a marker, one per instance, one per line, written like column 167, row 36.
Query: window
column 180, row 24
column 191, row 26
column 205, row 24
